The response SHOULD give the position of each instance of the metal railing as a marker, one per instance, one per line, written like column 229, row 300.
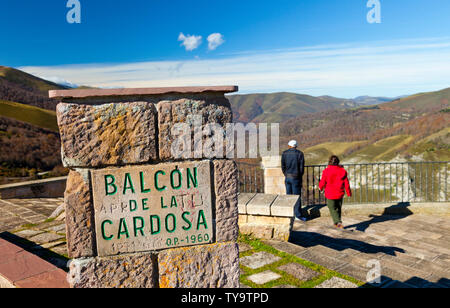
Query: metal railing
column 251, row 178
column 413, row 182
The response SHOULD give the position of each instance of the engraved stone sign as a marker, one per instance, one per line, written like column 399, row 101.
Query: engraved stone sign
column 152, row 207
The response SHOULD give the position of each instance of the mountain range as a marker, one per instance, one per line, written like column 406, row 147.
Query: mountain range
column 279, row 107
column 362, row 129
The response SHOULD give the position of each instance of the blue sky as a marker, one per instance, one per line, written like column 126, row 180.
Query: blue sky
column 317, row 47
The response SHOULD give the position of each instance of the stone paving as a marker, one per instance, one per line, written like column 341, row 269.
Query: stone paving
column 411, row 251
column 17, row 212
column 262, row 266
column 26, row 223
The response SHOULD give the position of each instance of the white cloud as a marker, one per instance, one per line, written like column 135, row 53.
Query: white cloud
column 215, row 40
column 190, row 42
column 345, row 70
column 60, row 81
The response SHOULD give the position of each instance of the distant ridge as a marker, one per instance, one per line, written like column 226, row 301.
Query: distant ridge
column 282, row 106
column 24, row 88
column 414, row 127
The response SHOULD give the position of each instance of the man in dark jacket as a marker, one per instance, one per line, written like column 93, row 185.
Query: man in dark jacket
column 293, row 166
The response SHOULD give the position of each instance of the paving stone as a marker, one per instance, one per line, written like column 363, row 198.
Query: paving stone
column 24, row 265
column 50, row 245
column 330, row 263
column 361, row 273
column 336, row 283
column 329, row 252
column 28, row 233
column 299, row 271
column 433, row 268
column 264, row 277
column 404, row 259
column 59, row 229
column 244, row 247
column 51, row 279
column 397, row 271
column 259, row 259
column 285, row 286
column 395, row 284
column 286, row 247
column 46, row 238
column 243, row 286
column 61, row 250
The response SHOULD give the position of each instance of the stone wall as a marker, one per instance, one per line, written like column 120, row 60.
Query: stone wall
column 130, row 205
column 266, row 216
column 48, row 188
column 273, row 176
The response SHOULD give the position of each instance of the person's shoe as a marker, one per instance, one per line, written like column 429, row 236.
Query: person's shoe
column 300, row 218
column 339, row 226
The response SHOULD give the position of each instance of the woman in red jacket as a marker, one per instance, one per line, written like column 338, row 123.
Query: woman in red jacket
column 334, row 180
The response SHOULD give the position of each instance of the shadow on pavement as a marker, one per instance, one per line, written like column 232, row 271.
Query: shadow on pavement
column 46, row 254
column 310, row 239
column 414, row 282
column 394, row 212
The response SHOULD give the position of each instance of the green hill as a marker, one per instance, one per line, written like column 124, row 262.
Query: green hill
column 28, row 81
column 29, row 114
column 282, row 106
column 421, row 101
column 277, row 107
column 412, row 128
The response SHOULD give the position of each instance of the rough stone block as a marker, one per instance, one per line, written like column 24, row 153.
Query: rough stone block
column 276, row 189
column 216, row 109
column 125, row 271
column 243, row 200
column 260, row 204
column 265, row 220
column 208, row 266
column 79, row 215
column 257, row 230
column 282, row 232
column 226, row 200
column 271, row 162
column 284, row 206
column 273, row 172
column 243, row 219
column 106, row 135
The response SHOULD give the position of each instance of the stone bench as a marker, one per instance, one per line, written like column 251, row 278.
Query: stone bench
column 267, row 216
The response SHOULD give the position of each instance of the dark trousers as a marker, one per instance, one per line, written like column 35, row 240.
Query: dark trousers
column 335, row 207
column 293, row 187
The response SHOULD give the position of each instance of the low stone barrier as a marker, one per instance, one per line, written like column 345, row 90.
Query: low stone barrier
column 48, row 188
column 267, row 216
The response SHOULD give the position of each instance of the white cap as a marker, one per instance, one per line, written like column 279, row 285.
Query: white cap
column 292, row 143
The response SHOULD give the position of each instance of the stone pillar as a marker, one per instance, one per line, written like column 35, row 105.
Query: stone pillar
column 136, row 216
column 273, row 176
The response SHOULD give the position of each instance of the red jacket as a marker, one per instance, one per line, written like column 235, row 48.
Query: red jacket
column 334, row 180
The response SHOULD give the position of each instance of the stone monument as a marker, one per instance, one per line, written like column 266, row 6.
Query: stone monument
column 136, row 216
